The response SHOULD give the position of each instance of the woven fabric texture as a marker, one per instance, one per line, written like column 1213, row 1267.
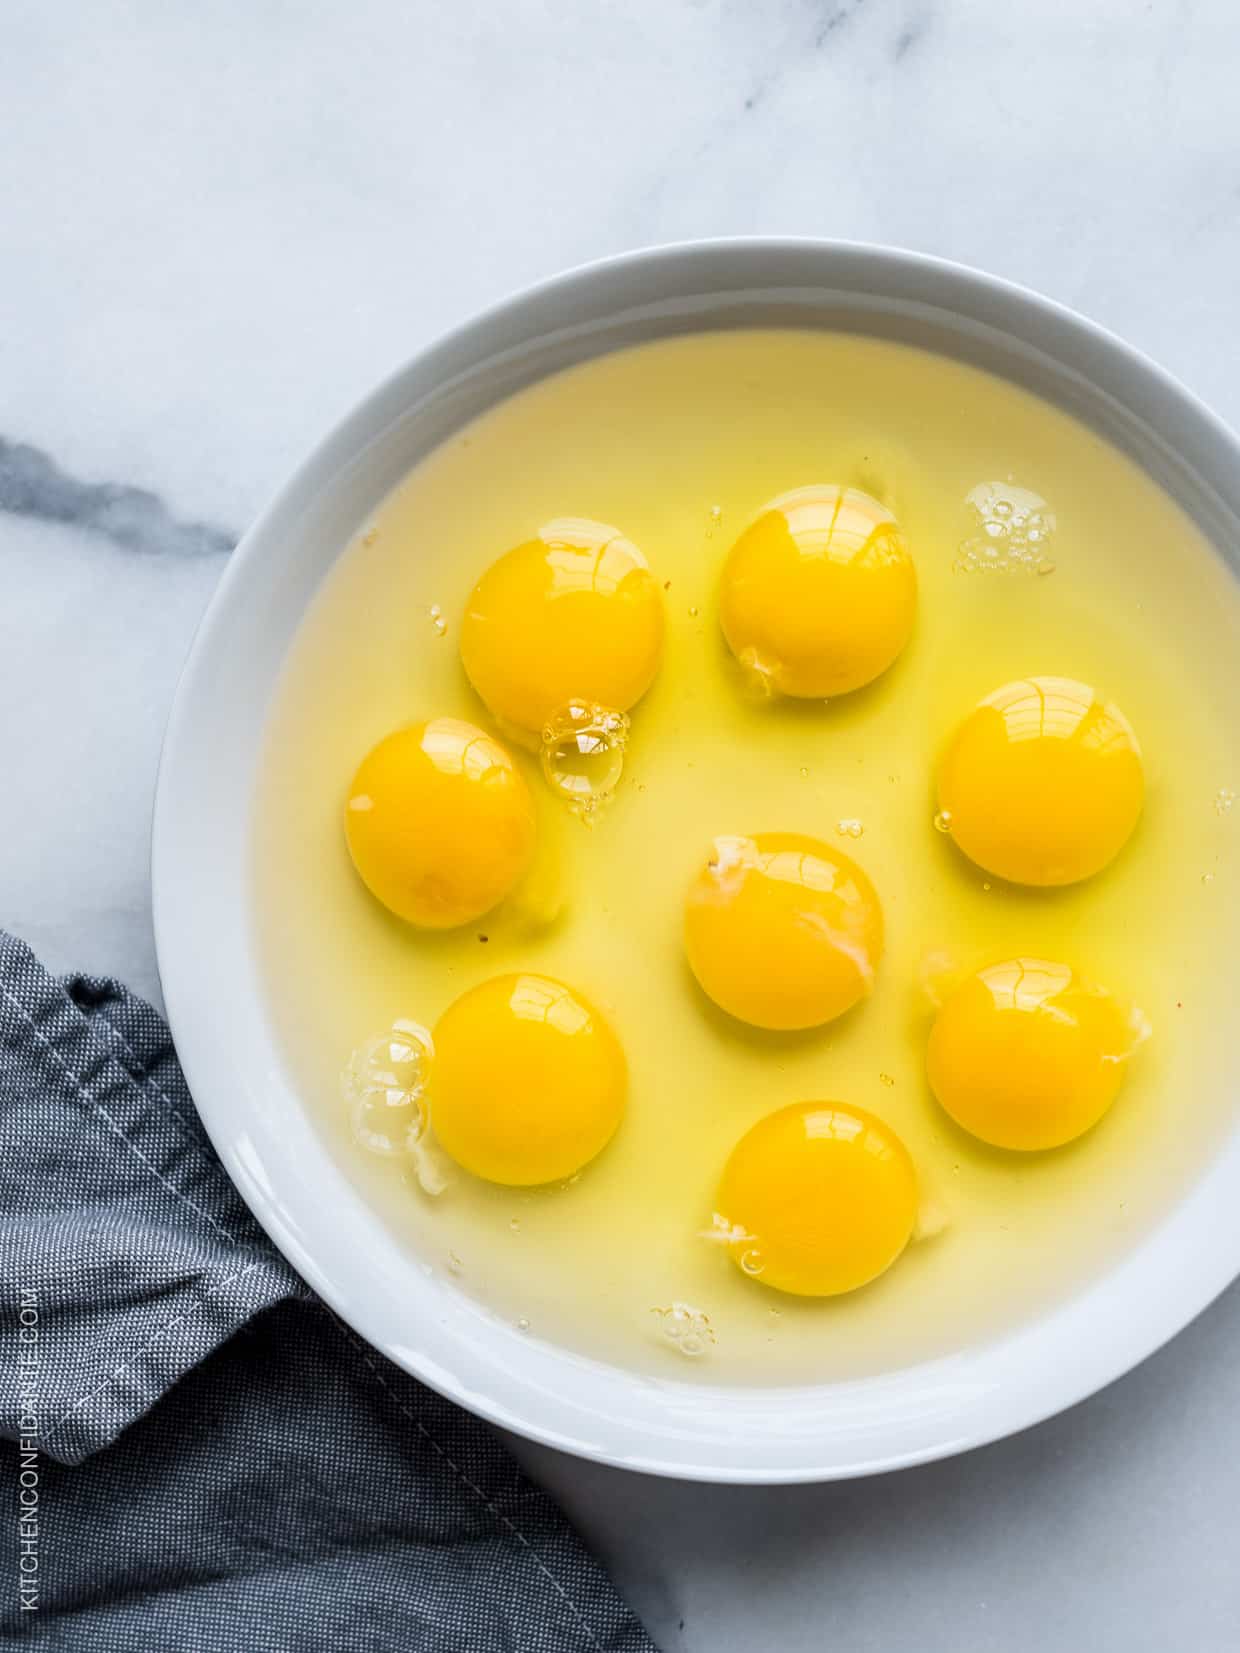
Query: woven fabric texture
column 218, row 1462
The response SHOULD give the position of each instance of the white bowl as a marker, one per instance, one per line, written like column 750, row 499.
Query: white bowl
column 204, row 922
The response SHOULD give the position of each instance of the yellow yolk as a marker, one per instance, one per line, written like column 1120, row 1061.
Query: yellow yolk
column 819, row 1198
column 782, row 931
column 439, row 822
column 574, row 615
column 819, row 592
column 1042, row 783
column 528, row 1081
column 1025, row 1055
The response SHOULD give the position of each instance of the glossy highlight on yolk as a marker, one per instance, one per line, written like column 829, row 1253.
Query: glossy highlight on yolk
column 819, row 1198
column 1042, row 783
column 782, row 931
column 819, row 593
column 439, row 822
column 528, row 1082
column 1025, row 1055
column 574, row 615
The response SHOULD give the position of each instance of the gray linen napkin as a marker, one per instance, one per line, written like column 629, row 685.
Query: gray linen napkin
column 205, row 1459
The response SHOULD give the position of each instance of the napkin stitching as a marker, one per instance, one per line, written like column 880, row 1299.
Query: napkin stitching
column 80, row 1087
column 171, row 1325
column 147, row 1079
column 144, row 1075
column 465, row 1480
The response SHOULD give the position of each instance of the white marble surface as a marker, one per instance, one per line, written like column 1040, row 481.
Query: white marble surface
column 222, row 223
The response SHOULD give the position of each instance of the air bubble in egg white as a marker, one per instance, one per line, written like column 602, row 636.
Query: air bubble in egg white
column 583, row 747
column 943, row 821
column 384, row 1089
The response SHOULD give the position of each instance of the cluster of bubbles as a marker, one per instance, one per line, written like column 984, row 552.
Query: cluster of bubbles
column 849, row 827
column 1224, row 800
column 687, row 1329
column 1012, row 535
column 384, row 1088
column 583, row 747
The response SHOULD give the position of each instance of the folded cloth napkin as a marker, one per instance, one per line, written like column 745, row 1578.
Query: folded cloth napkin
column 205, row 1459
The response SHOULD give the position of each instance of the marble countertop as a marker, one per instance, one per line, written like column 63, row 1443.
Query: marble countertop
column 222, row 224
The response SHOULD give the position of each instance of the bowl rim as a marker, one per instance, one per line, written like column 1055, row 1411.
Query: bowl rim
column 1096, row 1336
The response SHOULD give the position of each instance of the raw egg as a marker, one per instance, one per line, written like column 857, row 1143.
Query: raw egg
column 528, row 1082
column 1042, row 783
column 818, row 1198
column 782, row 931
column 572, row 616
column 1025, row 1055
column 819, row 592
column 439, row 822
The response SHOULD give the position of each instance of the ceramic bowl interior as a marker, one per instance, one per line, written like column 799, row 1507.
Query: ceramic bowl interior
column 205, row 929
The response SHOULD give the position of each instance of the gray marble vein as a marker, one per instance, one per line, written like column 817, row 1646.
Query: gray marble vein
column 32, row 484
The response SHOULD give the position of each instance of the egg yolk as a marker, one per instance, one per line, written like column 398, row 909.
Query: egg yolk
column 528, row 1082
column 574, row 615
column 1025, row 1055
column 782, row 931
column 439, row 822
column 819, row 592
column 820, row 1198
column 1042, row 783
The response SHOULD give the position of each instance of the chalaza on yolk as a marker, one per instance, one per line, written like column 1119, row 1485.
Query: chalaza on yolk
column 782, row 931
